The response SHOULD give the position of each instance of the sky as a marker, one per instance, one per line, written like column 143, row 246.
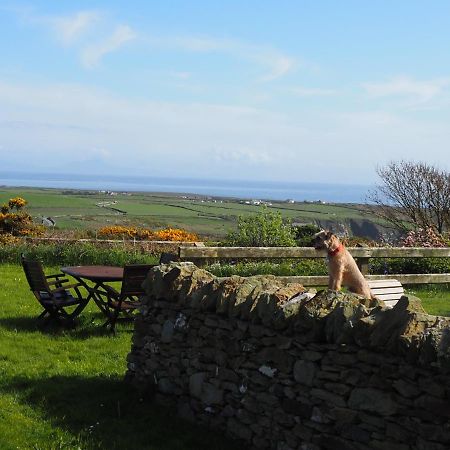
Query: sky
column 307, row 91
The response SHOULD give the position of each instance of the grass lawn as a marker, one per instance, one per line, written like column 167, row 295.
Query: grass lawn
column 435, row 298
column 63, row 389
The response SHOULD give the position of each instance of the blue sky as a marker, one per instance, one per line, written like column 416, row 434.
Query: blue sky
column 262, row 90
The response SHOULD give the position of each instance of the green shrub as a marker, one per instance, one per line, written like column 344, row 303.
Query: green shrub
column 409, row 265
column 264, row 229
column 284, row 268
column 78, row 253
column 303, row 234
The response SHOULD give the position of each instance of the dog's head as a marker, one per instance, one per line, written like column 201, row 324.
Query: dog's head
column 325, row 240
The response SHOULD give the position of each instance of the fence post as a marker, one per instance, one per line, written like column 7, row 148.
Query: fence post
column 363, row 264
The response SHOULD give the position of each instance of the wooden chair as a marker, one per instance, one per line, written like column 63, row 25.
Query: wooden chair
column 114, row 303
column 389, row 290
column 61, row 301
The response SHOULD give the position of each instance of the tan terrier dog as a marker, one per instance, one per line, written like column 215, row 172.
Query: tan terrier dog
column 343, row 270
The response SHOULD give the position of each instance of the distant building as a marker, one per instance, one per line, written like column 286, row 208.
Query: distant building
column 48, row 222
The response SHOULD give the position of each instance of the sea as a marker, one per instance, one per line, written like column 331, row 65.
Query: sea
column 243, row 189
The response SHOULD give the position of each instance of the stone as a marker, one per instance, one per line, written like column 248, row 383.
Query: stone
column 167, row 331
column 268, row 371
column 166, row 386
column 329, row 442
column 273, row 356
column 406, row 389
column 434, row 405
column 304, row 372
column 398, row 433
column 387, row 445
column 297, row 408
column 372, row 400
column 238, row 430
column 328, row 397
column 428, row 445
column 227, row 293
column 310, row 355
column 303, row 432
column 211, row 395
column 320, row 416
column 196, row 383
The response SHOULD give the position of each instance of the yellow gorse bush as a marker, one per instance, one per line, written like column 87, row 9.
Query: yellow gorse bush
column 17, row 202
column 18, row 223
column 167, row 234
column 176, row 234
column 116, row 231
column 8, row 239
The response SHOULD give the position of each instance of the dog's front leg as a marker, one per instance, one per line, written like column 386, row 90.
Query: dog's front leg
column 335, row 280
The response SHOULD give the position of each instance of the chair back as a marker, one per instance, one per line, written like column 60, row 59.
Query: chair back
column 133, row 277
column 35, row 275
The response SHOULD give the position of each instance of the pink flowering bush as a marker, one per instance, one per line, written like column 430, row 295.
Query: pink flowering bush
column 423, row 238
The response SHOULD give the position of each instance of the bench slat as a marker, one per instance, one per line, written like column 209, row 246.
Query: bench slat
column 395, row 290
column 390, row 303
column 384, row 283
column 389, row 296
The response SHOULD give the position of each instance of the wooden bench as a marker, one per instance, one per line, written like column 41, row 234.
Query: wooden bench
column 389, row 291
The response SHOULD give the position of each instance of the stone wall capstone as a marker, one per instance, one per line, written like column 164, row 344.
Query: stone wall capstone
column 276, row 367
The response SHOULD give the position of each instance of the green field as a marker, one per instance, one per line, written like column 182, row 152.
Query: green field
column 212, row 217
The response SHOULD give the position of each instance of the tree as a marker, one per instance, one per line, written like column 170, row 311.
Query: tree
column 413, row 195
column 265, row 229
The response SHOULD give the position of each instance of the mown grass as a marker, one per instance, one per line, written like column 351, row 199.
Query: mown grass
column 64, row 389
column 435, row 298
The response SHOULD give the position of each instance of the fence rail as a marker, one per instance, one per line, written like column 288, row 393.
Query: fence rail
column 109, row 241
column 362, row 255
column 308, row 252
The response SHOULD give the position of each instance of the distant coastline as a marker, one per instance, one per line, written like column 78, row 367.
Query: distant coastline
column 329, row 193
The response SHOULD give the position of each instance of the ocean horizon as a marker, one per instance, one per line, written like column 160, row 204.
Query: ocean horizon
column 270, row 190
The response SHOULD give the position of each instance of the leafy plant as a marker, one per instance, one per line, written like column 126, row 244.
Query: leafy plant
column 18, row 223
column 264, row 229
column 303, row 234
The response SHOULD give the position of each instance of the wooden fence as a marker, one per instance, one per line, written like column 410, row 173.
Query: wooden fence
column 362, row 255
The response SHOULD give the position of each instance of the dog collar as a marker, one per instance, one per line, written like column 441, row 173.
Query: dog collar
column 336, row 250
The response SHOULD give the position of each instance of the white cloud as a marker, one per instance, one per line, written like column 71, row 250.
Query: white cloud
column 421, row 91
column 311, row 92
column 242, row 156
column 181, row 75
column 277, row 64
column 92, row 54
column 60, row 127
column 69, row 28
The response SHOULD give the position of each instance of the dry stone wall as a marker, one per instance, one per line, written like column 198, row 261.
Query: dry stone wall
column 277, row 368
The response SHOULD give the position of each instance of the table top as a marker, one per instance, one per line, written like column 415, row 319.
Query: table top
column 95, row 273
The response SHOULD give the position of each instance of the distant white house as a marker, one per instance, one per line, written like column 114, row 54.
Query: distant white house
column 48, row 222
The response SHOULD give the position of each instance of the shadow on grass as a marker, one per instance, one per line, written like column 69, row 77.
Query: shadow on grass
column 110, row 414
column 81, row 328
